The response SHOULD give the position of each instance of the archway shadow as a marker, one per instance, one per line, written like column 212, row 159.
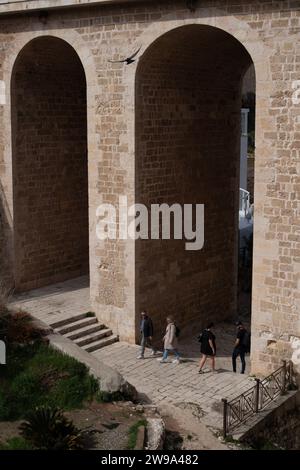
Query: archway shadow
column 6, row 246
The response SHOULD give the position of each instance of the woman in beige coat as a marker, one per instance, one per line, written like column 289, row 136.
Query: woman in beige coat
column 170, row 342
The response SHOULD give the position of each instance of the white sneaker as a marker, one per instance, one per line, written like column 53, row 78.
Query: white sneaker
column 176, row 361
column 162, row 361
column 153, row 353
column 140, row 357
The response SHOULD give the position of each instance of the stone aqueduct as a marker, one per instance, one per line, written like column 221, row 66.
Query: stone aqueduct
column 77, row 130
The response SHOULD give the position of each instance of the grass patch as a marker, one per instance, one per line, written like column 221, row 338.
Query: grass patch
column 133, row 431
column 16, row 443
column 38, row 375
column 230, row 440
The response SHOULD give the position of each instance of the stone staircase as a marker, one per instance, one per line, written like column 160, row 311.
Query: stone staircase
column 86, row 331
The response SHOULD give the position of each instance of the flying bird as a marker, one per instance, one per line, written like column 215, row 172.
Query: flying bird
column 129, row 60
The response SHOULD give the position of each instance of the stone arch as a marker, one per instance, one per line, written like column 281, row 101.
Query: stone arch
column 86, row 57
column 187, row 124
column 74, row 40
column 49, row 161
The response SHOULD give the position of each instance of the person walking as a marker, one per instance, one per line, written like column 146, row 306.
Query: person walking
column 241, row 346
column 146, row 329
column 171, row 341
column 208, row 347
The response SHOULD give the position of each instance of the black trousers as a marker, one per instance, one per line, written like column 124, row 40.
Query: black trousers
column 238, row 352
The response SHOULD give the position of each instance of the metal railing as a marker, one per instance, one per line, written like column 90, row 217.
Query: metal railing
column 249, row 403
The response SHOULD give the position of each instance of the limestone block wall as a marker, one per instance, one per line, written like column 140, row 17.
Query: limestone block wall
column 269, row 31
column 49, row 138
column 187, row 152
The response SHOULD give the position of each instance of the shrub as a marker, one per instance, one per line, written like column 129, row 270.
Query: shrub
column 70, row 393
column 90, row 314
column 16, row 443
column 25, row 392
column 49, row 429
column 107, row 397
column 37, row 376
column 18, row 328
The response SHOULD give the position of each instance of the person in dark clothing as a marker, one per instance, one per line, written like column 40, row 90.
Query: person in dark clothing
column 208, row 347
column 146, row 329
column 239, row 348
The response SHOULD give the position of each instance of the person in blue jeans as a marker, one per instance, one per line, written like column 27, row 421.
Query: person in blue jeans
column 146, row 329
column 239, row 348
column 170, row 342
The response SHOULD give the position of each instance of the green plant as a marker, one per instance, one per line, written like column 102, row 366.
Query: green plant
column 49, row 429
column 107, row 397
column 69, row 393
column 230, row 440
column 37, row 376
column 90, row 314
column 16, row 443
column 18, row 328
column 133, row 431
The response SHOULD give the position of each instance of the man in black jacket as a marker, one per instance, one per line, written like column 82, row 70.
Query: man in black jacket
column 146, row 329
column 239, row 347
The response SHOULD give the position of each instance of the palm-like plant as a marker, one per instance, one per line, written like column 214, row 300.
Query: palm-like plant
column 49, row 429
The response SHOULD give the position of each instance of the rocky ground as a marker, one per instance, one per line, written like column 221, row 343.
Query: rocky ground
column 106, row 426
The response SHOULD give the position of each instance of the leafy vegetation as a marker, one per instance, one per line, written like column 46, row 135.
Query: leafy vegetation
column 37, row 375
column 133, row 432
column 18, row 327
column 106, row 397
column 249, row 101
column 16, row 443
column 90, row 315
column 49, row 429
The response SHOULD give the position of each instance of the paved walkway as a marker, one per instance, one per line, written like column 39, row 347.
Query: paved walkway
column 158, row 383
column 56, row 302
column 176, row 384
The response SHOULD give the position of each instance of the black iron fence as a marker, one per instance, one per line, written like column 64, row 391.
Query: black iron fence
column 246, row 405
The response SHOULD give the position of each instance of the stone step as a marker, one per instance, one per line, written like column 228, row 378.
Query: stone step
column 101, row 343
column 77, row 325
column 92, row 338
column 84, row 331
column 68, row 320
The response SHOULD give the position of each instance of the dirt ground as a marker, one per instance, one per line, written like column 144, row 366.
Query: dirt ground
column 106, row 424
column 185, row 431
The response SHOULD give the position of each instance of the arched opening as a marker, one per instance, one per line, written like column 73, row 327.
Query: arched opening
column 188, row 144
column 50, row 177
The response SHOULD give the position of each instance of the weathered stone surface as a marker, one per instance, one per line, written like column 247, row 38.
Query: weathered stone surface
column 140, row 440
column 109, row 379
column 280, row 424
column 155, row 434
